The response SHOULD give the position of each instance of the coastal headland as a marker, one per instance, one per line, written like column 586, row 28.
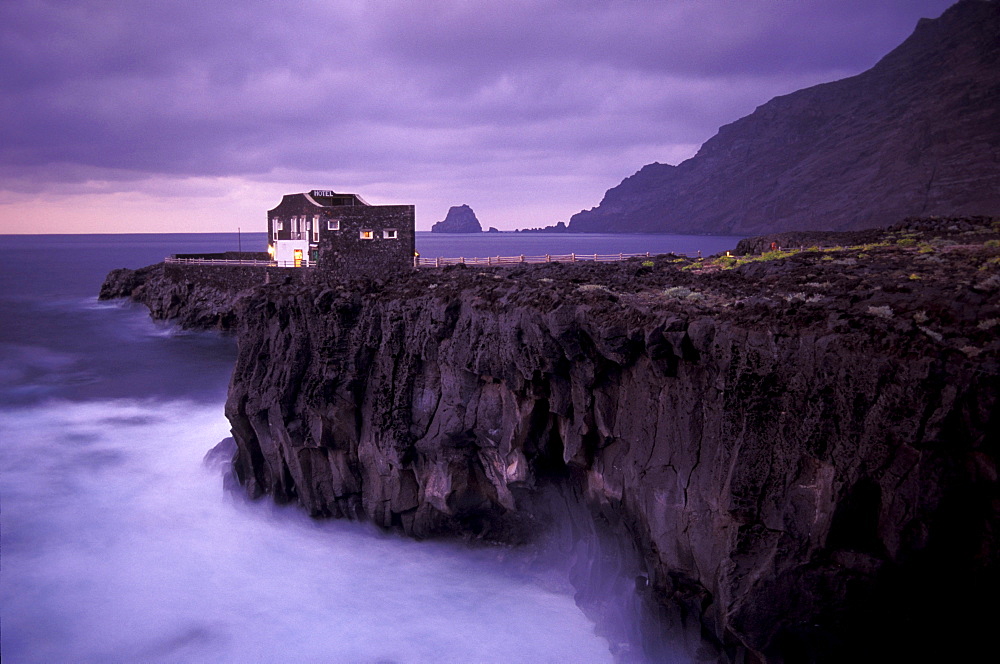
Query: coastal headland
column 785, row 454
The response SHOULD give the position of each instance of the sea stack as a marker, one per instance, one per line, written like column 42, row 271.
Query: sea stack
column 460, row 219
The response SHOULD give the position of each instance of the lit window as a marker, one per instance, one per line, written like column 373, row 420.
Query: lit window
column 333, row 224
column 367, row 235
column 390, row 234
column 279, row 225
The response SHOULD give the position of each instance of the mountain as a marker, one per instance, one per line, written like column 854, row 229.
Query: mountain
column 460, row 219
column 917, row 134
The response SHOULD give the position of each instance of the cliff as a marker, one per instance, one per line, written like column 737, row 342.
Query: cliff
column 460, row 219
column 783, row 457
column 918, row 134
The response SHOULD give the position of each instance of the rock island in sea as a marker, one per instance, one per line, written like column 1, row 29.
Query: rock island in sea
column 782, row 455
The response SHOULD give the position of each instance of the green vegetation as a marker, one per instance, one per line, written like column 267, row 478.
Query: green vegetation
column 648, row 263
column 906, row 242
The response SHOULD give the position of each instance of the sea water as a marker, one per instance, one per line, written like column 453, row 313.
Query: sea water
column 119, row 544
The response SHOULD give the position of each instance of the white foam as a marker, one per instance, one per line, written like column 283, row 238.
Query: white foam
column 120, row 546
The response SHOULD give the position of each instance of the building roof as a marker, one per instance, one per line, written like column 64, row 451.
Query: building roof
column 330, row 198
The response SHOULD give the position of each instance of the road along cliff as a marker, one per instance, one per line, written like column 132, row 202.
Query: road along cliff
column 787, row 456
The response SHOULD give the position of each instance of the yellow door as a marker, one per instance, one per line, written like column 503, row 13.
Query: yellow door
column 298, row 257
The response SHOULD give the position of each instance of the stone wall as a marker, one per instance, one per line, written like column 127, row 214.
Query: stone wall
column 345, row 252
column 232, row 278
column 230, row 256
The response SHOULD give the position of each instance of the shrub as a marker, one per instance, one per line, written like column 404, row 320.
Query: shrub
column 936, row 336
column 678, row 292
column 884, row 311
column 925, row 249
column 992, row 244
column 914, row 277
column 906, row 242
column 648, row 263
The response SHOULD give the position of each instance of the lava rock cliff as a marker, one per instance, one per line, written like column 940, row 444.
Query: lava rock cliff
column 797, row 450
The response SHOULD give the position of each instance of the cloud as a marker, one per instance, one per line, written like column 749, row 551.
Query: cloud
column 403, row 94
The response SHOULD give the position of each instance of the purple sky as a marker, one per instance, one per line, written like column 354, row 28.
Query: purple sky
column 197, row 115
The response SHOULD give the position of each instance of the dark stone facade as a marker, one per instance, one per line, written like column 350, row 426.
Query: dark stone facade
column 344, row 234
column 346, row 253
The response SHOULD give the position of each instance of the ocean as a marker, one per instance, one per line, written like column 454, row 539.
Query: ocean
column 120, row 545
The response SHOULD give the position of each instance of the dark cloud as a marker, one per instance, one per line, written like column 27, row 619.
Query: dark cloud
column 396, row 91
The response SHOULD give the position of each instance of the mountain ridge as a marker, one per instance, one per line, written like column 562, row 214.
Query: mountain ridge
column 917, row 134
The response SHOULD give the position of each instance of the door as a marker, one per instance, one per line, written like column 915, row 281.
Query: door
column 297, row 255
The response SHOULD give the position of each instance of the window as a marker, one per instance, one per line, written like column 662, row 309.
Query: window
column 333, row 224
column 390, row 234
column 295, row 224
column 367, row 235
column 279, row 225
column 315, row 228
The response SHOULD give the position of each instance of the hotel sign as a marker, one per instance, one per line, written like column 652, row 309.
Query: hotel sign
column 322, row 192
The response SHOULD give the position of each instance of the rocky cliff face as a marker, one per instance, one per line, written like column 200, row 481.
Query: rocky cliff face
column 188, row 303
column 789, row 457
column 918, row 134
column 460, row 219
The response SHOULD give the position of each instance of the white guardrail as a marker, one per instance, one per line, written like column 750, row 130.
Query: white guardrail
column 508, row 260
column 231, row 261
column 439, row 261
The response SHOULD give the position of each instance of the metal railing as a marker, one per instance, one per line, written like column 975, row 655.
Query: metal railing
column 546, row 258
column 442, row 261
column 237, row 262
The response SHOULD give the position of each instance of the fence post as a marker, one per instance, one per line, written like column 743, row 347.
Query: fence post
column 437, row 262
column 489, row 260
column 621, row 256
column 595, row 257
column 572, row 257
column 461, row 259
column 548, row 259
column 699, row 253
column 647, row 254
column 522, row 258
